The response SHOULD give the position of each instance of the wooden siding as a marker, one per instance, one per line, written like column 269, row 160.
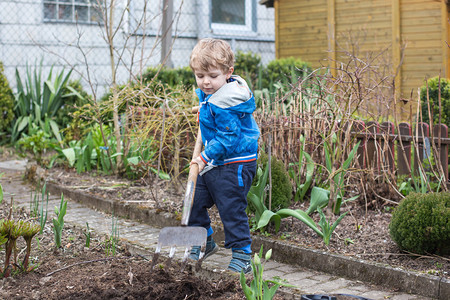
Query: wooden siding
column 302, row 30
column 421, row 31
column 308, row 29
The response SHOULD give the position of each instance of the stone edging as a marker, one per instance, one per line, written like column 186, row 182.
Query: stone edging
column 410, row 282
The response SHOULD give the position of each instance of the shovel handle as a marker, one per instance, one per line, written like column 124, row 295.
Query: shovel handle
column 192, row 180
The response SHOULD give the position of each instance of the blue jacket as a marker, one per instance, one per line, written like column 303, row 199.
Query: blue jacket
column 229, row 131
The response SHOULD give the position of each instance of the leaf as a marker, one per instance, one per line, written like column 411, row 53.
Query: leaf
column 351, row 155
column 268, row 216
column 161, row 174
column 23, row 123
column 302, row 216
column 309, row 175
column 269, row 292
column 70, row 155
column 55, row 130
column 133, row 160
column 351, row 199
column 335, row 224
column 248, row 292
column 1, row 193
column 319, row 198
column 327, row 157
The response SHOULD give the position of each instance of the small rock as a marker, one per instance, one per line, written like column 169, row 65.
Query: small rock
column 44, row 280
column 8, row 281
column 36, row 295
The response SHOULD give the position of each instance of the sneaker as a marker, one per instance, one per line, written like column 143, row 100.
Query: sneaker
column 240, row 261
column 211, row 248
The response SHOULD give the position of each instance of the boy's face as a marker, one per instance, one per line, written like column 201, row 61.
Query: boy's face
column 212, row 80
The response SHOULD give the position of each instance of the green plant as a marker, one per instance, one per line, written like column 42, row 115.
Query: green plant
column 87, row 234
column 433, row 94
column 247, row 65
column 421, row 223
column 113, row 240
column 259, row 288
column 257, row 193
column 1, row 194
column 327, row 227
column 37, row 101
column 43, row 213
column 169, row 77
column 281, row 184
column 6, row 104
column 29, row 230
column 324, row 229
column 12, row 231
column 38, row 142
column 75, row 97
column 304, row 159
column 58, row 223
column 284, row 70
column 337, row 167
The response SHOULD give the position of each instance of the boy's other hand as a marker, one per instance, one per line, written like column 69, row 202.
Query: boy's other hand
column 201, row 164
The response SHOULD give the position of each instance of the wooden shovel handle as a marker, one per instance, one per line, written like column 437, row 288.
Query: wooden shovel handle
column 192, row 181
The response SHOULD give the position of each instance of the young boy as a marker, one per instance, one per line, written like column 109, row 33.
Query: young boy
column 227, row 164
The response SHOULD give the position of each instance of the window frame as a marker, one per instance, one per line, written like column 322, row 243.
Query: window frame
column 250, row 22
column 90, row 5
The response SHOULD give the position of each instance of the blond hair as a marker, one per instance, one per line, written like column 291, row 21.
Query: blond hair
column 211, row 53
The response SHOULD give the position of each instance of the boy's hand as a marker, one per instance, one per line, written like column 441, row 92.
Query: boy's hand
column 201, row 164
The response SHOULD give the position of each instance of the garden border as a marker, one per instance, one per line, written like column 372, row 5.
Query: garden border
column 379, row 274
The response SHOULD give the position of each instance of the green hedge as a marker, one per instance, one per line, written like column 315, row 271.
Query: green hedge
column 6, row 104
column 421, row 223
column 433, row 91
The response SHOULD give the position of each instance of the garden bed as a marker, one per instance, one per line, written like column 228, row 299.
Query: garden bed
column 77, row 272
column 362, row 234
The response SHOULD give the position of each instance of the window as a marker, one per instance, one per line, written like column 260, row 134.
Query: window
column 82, row 11
column 232, row 15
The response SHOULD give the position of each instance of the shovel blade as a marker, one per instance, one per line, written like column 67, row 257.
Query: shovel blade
column 182, row 236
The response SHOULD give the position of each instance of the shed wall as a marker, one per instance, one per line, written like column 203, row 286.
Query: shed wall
column 305, row 30
column 302, row 30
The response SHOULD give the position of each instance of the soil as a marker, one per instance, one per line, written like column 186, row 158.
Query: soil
column 77, row 272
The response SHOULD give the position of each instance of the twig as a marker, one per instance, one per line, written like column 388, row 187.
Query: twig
column 80, row 263
column 384, row 199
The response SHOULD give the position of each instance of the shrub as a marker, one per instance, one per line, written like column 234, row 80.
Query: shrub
column 433, row 90
column 421, row 223
column 284, row 70
column 247, row 66
column 6, row 103
column 281, row 184
column 171, row 77
column 72, row 102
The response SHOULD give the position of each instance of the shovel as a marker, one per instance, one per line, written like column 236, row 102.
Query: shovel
column 184, row 236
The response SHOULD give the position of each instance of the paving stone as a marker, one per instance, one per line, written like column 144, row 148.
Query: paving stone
column 298, row 275
column 378, row 295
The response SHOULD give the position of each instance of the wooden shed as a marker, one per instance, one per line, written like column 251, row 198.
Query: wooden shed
column 313, row 30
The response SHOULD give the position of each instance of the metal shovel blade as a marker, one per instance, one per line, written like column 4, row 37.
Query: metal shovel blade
column 182, row 236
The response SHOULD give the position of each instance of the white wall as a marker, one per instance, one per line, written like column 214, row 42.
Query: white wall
column 25, row 39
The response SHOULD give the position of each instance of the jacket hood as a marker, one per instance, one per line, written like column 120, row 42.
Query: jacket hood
column 233, row 96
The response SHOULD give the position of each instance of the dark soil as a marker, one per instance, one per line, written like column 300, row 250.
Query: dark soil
column 77, row 272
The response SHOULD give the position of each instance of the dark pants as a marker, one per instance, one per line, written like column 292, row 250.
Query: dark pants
column 227, row 187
